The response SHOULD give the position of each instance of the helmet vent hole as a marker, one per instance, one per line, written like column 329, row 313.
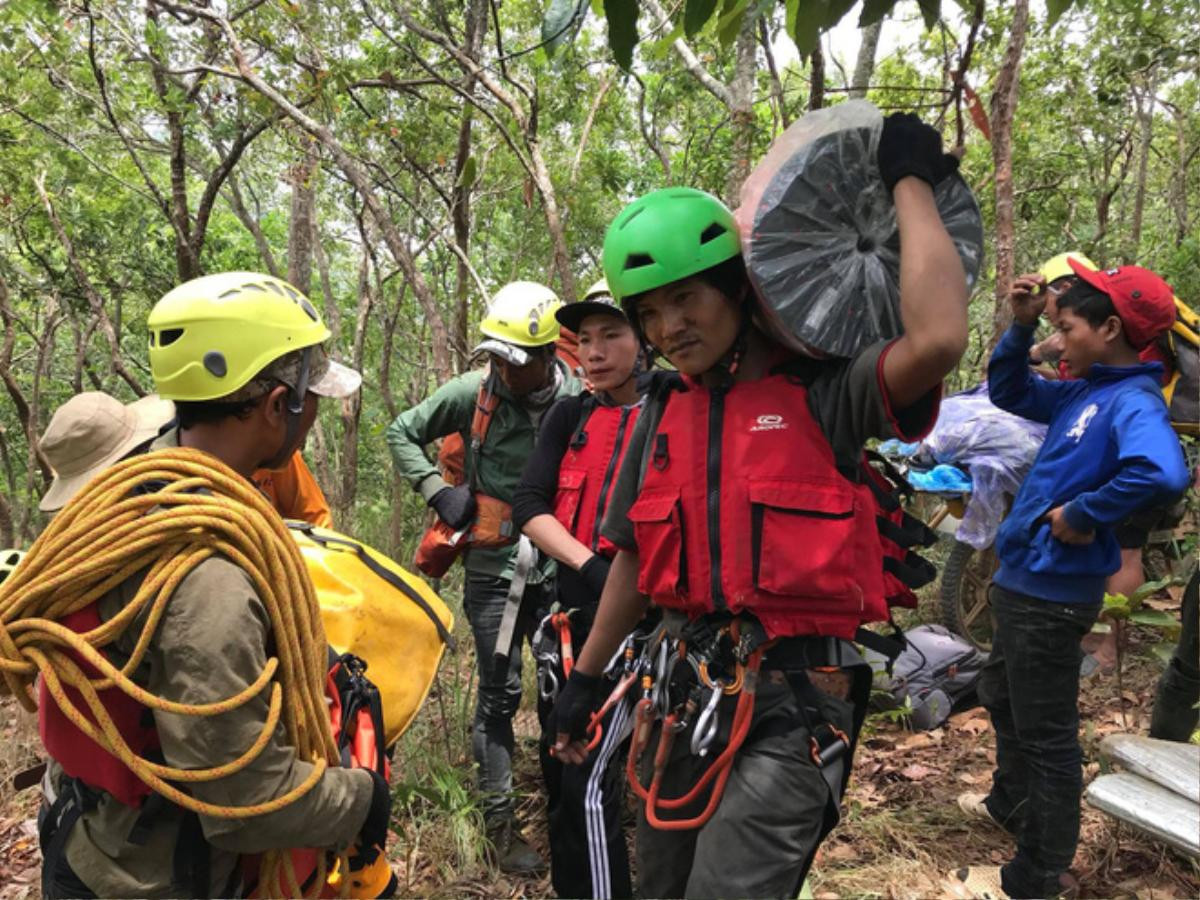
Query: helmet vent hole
column 232, row 292
column 295, row 295
column 638, row 260
column 214, row 362
column 308, row 309
column 276, row 288
column 712, row 232
column 168, row 336
column 251, row 287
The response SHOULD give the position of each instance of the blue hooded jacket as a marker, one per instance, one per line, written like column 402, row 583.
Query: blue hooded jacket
column 1109, row 452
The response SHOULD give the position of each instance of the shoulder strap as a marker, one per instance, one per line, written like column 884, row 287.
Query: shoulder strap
column 579, row 438
column 327, row 540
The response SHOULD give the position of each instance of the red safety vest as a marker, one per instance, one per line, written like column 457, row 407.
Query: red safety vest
column 742, row 507
column 80, row 756
column 589, row 470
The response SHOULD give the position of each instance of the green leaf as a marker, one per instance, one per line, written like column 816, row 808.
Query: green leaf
column 811, row 18
column 1154, row 617
column 1150, row 588
column 469, row 171
column 622, row 16
column 695, row 14
column 1164, row 650
column 931, row 11
column 1055, row 10
column 730, row 22
column 874, row 10
column 559, row 22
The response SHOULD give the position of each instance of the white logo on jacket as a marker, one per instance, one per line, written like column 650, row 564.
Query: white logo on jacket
column 769, row 422
column 1082, row 422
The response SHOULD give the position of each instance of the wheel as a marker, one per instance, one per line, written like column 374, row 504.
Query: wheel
column 965, row 581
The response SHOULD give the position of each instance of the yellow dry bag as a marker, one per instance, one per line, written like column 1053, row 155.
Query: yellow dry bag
column 381, row 613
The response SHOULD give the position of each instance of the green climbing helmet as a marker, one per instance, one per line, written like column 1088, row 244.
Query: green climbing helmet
column 664, row 236
column 9, row 560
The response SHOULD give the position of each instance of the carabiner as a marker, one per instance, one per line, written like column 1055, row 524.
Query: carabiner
column 707, row 724
column 547, row 683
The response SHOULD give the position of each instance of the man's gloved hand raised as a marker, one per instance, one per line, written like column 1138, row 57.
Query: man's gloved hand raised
column 454, row 505
column 908, row 146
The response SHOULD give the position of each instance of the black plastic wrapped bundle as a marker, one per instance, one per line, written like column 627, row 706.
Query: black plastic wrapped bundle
column 820, row 237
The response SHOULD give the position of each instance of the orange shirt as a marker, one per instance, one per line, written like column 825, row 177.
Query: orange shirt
column 294, row 492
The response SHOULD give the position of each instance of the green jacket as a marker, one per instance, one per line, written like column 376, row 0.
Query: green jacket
column 501, row 459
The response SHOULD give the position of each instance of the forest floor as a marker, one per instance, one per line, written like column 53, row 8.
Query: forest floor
column 901, row 831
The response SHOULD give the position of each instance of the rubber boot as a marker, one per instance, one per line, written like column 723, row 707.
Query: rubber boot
column 513, row 854
column 1175, row 714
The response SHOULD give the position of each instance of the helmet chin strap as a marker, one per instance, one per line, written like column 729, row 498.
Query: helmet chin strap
column 295, row 409
column 732, row 361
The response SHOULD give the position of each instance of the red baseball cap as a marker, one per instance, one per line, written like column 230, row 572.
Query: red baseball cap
column 1144, row 302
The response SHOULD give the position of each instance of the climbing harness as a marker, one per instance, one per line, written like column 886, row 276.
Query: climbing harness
column 165, row 513
column 679, row 700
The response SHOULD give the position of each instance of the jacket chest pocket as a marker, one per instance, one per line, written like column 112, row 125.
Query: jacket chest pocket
column 570, row 493
column 803, row 537
column 658, row 529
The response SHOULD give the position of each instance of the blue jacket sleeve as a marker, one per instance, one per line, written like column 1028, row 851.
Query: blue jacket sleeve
column 1012, row 386
column 1152, row 469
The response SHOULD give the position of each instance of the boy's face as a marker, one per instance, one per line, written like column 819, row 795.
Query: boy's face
column 608, row 350
column 689, row 322
column 1085, row 344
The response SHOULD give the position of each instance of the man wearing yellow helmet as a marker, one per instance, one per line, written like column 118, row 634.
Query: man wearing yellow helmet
column 505, row 579
column 240, row 355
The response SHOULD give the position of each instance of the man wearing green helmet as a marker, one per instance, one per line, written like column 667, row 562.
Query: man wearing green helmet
column 740, row 511
column 494, row 413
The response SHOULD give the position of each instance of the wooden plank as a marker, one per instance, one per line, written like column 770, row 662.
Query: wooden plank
column 1150, row 808
column 1174, row 765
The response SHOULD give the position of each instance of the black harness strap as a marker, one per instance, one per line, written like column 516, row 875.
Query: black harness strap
column 388, row 576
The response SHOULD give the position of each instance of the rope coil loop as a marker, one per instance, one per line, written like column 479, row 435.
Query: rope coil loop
column 164, row 513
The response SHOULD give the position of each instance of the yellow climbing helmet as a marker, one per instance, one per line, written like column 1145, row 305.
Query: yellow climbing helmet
column 1060, row 267
column 9, row 560
column 522, row 313
column 210, row 336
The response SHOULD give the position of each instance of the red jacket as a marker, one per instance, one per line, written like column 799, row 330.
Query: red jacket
column 743, row 508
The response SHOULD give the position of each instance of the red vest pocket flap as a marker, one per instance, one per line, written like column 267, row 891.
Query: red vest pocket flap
column 654, row 506
column 823, row 499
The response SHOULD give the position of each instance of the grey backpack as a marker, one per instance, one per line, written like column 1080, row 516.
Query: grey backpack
column 935, row 676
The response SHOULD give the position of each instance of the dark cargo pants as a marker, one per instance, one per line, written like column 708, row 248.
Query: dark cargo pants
column 499, row 696
column 1030, row 687
column 761, row 839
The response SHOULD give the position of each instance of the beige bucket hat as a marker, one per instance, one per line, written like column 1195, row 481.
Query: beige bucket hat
column 91, row 432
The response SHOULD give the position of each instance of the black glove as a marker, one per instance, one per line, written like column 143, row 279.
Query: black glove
column 576, row 703
column 594, row 573
column 908, row 146
column 454, row 505
column 374, row 832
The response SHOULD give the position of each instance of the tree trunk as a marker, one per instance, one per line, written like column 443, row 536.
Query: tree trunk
column 460, row 211
column 301, row 227
column 352, row 406
column 816, row 92
column 864, row 65
column 1004, row 107
column 1145, row 103
column 741, row 107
